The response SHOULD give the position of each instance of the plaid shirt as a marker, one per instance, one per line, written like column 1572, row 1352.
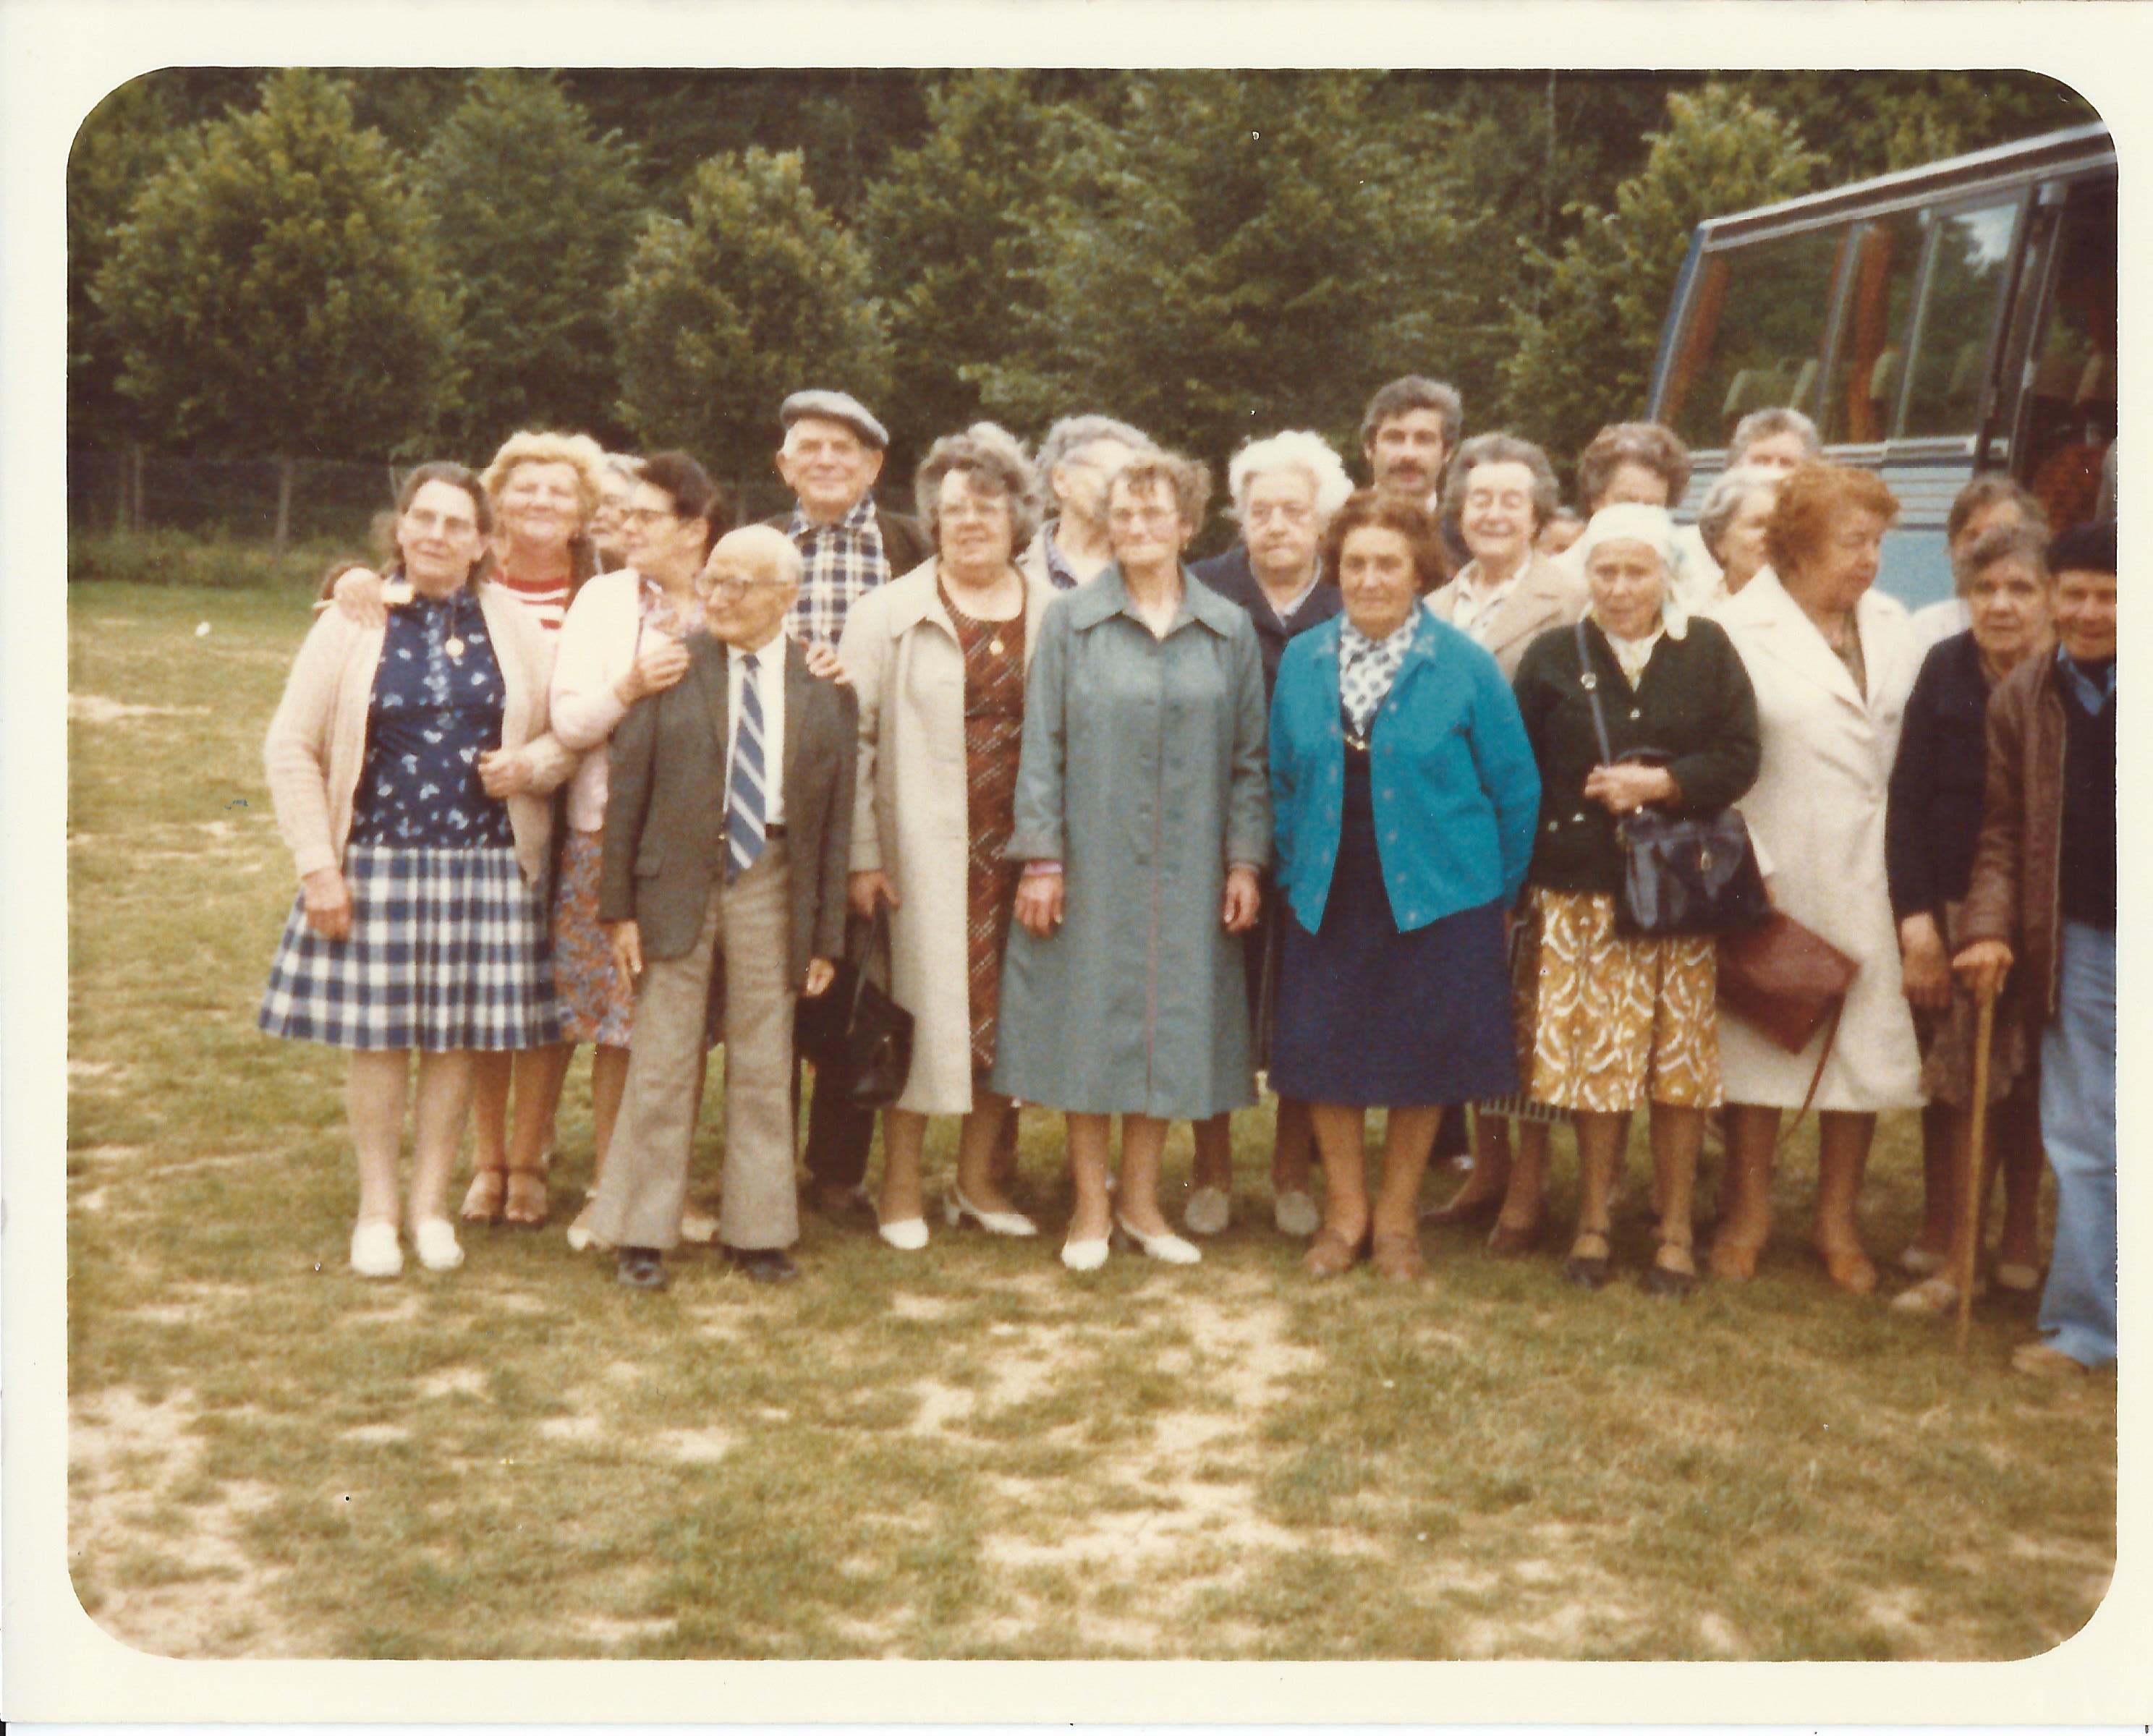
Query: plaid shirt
column 841, row 563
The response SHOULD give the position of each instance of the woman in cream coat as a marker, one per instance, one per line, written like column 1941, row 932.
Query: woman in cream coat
column 938, row 658
column 1832, row 663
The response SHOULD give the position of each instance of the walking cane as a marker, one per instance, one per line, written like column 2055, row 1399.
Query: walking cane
column 1974, row 1193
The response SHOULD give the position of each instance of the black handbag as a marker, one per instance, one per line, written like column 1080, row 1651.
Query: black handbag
column 1681, row 874
column 859, row 1039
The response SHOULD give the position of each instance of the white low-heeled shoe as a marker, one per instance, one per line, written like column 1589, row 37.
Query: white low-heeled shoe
column 907, row 1235
column 436, row 1240
column 956, row 1208
column 1209, row 1210
column 1084, row 1256
column 1294, row 1212
column 1168, row 1247
column 582, row 1238
column 375, row 1251
column 698, row 1227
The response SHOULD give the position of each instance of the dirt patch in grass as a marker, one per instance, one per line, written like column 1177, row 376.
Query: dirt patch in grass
column 96, row 708
column 190, row 1589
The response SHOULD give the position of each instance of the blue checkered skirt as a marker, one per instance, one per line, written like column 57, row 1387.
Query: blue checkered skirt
column 447, row 950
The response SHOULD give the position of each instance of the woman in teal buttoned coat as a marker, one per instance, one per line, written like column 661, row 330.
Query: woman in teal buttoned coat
column 1406, row 797
column 1143, row 814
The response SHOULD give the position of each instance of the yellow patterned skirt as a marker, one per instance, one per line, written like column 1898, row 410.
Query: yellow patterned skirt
column 1607, row 1021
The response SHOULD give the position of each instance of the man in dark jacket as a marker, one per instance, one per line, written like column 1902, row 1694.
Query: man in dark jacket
column 2043, row 896
column 728, row 833
column 832, row 453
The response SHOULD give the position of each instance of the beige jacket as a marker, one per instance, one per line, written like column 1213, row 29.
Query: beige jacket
column 910, row 813
column 1546, row 596
column 316, row 743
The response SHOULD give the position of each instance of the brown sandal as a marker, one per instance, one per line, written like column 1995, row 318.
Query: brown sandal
column 1398, row 1259
column 482, row 1202
column 1331, row 1255
column 527, row 1206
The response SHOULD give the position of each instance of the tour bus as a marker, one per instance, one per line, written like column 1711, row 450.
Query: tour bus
column 1933, row 323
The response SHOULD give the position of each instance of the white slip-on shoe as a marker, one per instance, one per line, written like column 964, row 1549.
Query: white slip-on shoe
column 1209, row 1210
column 907, row 1235
column 957, row 1207
column 1170, row 1247
column 436, row 1240
column 1295, row 1214
column 375, row 1251
column 698, row 1227
column 1084, row 1256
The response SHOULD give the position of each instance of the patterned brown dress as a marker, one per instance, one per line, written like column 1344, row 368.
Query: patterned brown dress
column 993, row 738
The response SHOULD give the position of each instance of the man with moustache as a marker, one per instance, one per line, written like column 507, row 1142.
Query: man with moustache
column 1407, row 433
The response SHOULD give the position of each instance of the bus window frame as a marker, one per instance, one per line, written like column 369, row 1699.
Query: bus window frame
column 1901, row 444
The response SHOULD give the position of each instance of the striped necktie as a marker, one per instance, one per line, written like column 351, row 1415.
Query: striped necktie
column 748, row 781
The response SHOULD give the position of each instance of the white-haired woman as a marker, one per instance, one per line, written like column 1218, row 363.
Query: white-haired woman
column 1731, row 524
column 1075, row 461
column 1772, row 441
column 1285, row 491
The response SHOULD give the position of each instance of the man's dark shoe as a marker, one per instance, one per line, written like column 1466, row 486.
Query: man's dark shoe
column 640, row 1269
column 765, row 1266
column 847, row 1207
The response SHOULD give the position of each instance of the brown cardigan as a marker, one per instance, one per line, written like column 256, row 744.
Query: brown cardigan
column 2016, row 867
column 316, row 743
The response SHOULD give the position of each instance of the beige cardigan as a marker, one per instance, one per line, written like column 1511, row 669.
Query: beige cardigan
column 909, row 818
column 317, row 742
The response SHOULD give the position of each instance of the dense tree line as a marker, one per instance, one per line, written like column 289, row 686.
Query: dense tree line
column 362, row 263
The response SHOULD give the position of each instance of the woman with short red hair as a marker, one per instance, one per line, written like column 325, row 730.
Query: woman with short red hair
column 1832, row 662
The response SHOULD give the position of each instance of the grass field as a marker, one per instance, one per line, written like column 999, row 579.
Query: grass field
column 964, row 1454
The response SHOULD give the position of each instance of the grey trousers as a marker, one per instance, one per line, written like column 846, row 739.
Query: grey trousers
column 749, row 924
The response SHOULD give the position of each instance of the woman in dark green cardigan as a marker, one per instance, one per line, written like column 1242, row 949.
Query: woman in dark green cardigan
column 1606, row 1020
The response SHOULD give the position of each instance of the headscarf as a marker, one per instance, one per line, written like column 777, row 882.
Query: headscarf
column 1655, row 527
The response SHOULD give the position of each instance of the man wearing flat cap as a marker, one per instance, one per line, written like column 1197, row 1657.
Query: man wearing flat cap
column 833, row 453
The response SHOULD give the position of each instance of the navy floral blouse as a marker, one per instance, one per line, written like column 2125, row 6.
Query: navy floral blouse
column 436, row 707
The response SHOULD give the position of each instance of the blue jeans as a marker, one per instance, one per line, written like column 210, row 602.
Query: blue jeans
column 2078, row 1126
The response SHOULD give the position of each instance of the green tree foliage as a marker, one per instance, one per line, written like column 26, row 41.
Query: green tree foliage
column 1226, row 255
column 122, row 143
column 945, row 227
column 534, row 217
column 275, row 292
column 758, row 293
column 1869, row 124
column 1584, row 356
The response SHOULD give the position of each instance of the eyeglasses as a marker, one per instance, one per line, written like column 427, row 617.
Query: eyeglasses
column 738, row 585
column 643, row 517
column 1291, row 512
column 1122, row 518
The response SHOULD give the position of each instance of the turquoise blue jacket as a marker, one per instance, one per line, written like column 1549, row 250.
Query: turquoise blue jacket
column 1455, row 790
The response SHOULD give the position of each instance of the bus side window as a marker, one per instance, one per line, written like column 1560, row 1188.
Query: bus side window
column 1875, row 331
column 1753, row 335
column 1958, row 320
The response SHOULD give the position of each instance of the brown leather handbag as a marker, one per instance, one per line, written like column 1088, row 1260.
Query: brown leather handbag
column 1786, row 980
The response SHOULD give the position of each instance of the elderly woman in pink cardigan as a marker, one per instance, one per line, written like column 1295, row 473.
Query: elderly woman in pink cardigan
column 408, row 762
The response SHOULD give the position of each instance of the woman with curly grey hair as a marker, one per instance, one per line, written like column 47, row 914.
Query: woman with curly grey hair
column 939, row 659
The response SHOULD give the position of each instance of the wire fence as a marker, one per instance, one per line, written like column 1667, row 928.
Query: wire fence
column 331, row 501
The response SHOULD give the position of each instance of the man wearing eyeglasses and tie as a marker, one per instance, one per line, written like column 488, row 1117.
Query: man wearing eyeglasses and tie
column 727, row 837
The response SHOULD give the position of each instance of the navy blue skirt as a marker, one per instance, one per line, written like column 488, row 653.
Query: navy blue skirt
column 1369, row 1016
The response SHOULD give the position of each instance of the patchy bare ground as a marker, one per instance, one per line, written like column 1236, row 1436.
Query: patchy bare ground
column 153, row 1564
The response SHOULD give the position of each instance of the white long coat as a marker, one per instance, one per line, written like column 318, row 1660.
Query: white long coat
column 909, row 812
column 1817, row 813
